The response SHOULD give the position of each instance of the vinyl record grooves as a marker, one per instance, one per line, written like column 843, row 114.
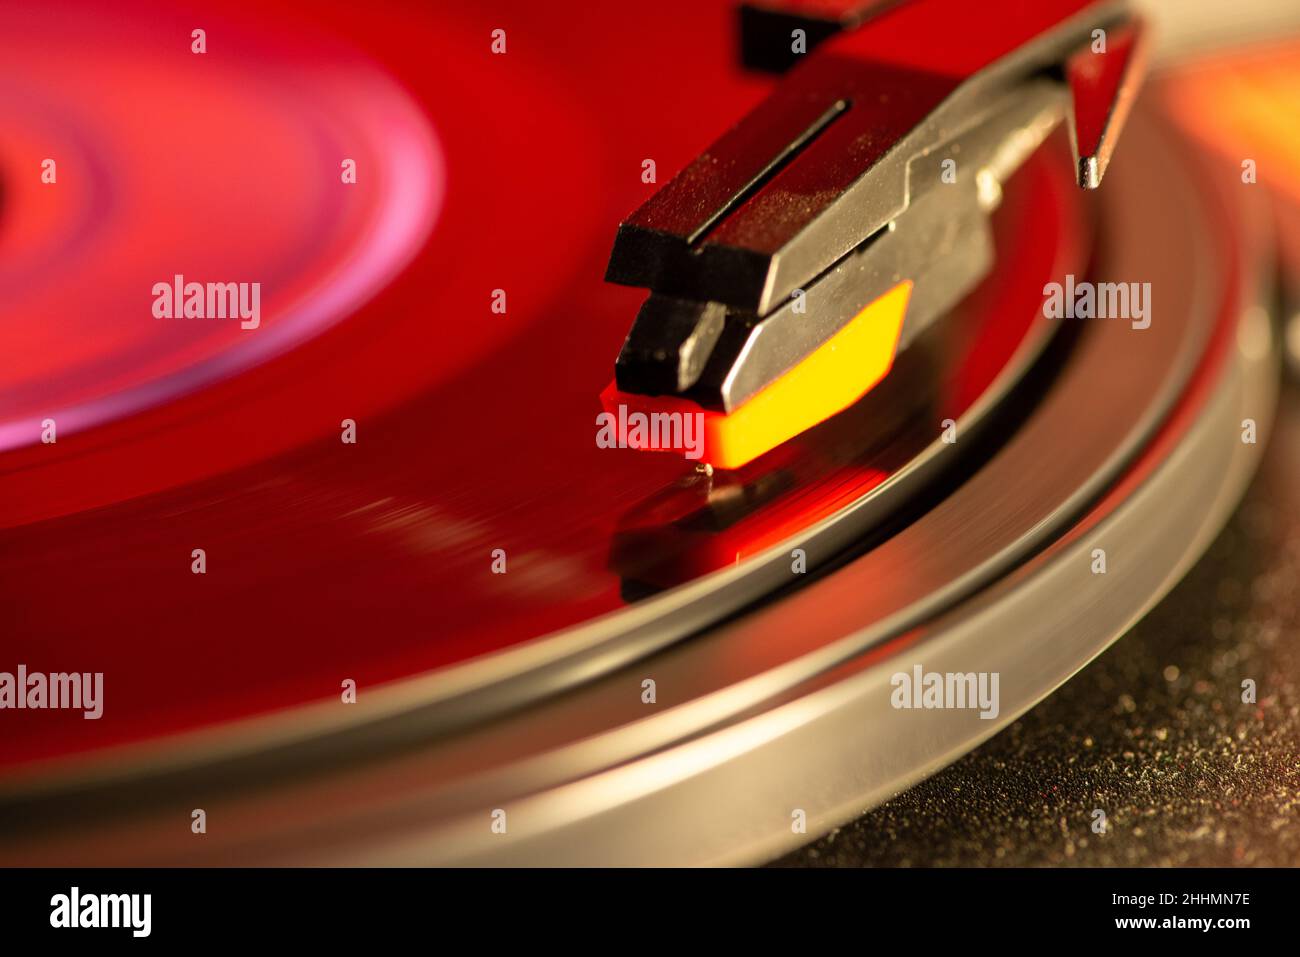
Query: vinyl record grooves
column 919, row 552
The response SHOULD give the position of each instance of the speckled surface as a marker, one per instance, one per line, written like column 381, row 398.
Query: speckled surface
column 1153, row 733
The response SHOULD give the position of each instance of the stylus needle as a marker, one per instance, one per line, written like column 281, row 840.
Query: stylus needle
column 866, row 178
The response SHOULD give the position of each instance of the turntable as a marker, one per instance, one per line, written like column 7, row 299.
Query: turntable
column 675, row 433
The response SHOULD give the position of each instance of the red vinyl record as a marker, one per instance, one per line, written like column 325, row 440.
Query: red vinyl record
column 374, row 561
